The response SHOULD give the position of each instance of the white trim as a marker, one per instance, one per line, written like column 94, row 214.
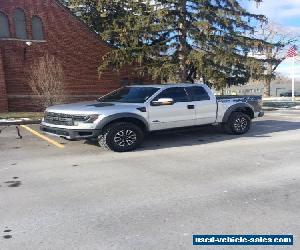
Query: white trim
column 23, row 40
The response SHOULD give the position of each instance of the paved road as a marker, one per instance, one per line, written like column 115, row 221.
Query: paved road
column 177, row 185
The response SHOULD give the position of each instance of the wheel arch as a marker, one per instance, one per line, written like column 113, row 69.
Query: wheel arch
column 124, row 117
column 239, row 107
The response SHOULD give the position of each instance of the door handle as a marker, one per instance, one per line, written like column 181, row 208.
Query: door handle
column 191, row 106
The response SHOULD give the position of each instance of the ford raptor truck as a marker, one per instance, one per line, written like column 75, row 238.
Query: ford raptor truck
column 120, row 120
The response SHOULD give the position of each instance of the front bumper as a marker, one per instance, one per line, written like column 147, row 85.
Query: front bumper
column 71, row 133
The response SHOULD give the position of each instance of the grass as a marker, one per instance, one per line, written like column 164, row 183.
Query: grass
column 18, row 115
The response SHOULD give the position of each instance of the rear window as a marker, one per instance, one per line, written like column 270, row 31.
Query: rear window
column 198, row 93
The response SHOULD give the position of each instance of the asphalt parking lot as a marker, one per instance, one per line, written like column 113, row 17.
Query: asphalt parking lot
column 199, row 181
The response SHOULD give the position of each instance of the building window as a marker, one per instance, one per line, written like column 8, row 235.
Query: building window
column 4, row 27
column 37, row 28
column 20, row 24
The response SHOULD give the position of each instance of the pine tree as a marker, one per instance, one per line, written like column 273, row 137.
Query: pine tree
column 181, row 40
column 99, row 15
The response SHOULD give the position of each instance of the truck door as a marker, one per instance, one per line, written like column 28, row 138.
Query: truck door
column 205, row 105
column 180, row 114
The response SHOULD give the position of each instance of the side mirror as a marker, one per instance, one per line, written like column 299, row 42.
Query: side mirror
column 163, row 102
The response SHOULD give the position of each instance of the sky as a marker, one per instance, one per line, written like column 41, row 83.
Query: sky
column 285, row 13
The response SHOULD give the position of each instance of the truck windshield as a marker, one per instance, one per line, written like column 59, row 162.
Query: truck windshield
column 130, row 95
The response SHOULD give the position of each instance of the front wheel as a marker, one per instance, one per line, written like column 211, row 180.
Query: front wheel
column 238, row 123
column 121, row 137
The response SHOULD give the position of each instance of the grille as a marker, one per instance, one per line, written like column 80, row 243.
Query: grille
column 59, row 119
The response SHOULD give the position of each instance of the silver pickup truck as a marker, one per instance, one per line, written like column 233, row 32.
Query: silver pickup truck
column 121, row 119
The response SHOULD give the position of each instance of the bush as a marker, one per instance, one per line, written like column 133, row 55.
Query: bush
column 47, row 81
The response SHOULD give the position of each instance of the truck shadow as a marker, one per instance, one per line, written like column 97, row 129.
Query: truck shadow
column 211, row 134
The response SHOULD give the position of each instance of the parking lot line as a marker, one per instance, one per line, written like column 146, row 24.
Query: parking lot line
column 55, row 143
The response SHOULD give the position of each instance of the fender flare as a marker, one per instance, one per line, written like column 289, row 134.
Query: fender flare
column 105, row 121
column 237, row 107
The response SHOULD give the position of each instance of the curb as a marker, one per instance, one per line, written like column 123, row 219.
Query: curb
column 268, row 109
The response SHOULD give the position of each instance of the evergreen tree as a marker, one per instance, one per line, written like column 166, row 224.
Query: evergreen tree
column 181, row 40
column 99, row 15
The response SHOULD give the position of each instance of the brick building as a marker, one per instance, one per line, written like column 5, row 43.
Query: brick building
column 31, row 28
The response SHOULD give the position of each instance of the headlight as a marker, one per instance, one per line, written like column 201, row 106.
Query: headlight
column 91, row 118
column 85, row 119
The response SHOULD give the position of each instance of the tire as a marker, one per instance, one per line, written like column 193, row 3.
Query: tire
column 121, row 137
column 237, row 124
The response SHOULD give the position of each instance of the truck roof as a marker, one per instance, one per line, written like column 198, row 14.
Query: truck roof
column 169, row 85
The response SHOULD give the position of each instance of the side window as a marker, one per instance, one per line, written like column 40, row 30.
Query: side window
column 37, row 28
column 177, row 94
column 198, row 93
column 20, row 24
column 4, row 28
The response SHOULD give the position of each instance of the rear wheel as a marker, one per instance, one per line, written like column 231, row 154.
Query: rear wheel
column 121, row 137
column 238, row 123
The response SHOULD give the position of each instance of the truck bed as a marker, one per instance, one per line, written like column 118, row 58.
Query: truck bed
column 254, row 100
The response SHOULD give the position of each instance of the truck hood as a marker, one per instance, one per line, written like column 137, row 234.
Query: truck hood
column 91, row 107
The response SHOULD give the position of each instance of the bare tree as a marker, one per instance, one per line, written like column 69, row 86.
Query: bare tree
column 47, row 81
column 274, row 34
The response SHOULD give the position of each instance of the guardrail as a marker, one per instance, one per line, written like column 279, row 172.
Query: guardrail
column 17, row 123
